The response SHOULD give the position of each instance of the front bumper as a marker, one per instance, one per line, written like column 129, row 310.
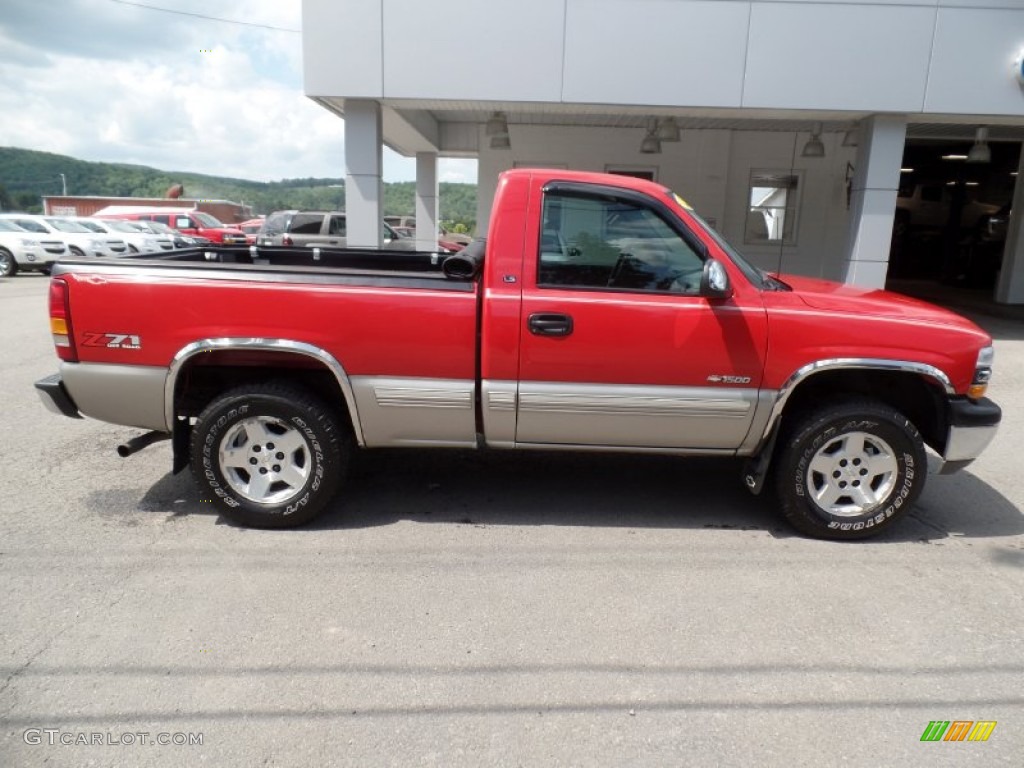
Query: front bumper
column 55, row 397
column 972, row 425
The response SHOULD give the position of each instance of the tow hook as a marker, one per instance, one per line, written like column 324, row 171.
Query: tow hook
column 136, row 444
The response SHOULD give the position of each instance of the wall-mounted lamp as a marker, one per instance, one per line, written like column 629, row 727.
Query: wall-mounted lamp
column 814, row 147
column 980, row 152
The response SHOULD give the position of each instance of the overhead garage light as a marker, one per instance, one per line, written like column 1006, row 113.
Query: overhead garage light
column 906, row 170
column 814, row 147
column 667, row 130
column 954, row 157
column 980, row 152
column 651, row 145
column 497, row 125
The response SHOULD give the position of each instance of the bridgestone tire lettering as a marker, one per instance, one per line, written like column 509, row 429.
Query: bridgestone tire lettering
column 806, row 434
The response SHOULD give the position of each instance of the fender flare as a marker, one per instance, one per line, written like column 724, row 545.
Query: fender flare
column 288, row 346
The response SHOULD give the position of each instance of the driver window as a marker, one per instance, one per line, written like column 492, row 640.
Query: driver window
column 590, row 242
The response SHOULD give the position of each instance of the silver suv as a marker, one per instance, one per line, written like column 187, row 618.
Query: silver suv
column 320, row 228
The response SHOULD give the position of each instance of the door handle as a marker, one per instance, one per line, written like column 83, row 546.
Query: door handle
column 549, row 324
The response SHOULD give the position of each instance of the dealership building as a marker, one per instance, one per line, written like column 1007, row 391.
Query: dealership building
column 856, row 141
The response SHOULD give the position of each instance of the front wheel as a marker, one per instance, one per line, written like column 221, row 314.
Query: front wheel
column 269, row 455
column 849, row 470
column 8, row 266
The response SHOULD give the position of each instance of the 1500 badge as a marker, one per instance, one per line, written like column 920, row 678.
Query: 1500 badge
column 111, row 340
column 716, row 379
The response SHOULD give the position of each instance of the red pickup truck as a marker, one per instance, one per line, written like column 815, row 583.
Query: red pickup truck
column 601, row 314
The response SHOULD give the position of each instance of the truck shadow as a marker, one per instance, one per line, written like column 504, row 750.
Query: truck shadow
column 491, row 488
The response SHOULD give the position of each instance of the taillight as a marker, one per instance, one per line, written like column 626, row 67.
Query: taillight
column 60, row 321
column 286, row 240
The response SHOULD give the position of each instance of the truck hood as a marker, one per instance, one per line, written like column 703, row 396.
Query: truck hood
column 839, row 297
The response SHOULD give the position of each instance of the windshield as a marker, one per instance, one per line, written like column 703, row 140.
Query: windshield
column 67, row 226
column 93, row 226
column 207, row 220
column 32, row 226
column 8, row 226
column 124, row 226
column 752, row 273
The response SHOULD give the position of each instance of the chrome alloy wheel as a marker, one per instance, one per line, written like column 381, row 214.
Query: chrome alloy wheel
column 852, row 474
column 265, row 460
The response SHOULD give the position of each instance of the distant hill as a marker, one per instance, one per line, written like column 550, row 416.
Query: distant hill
column 27, row 175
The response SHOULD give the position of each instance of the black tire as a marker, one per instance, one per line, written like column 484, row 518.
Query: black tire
column 132, row 248
column 234, row 421
column 77, row 252
column 858, row 442
column 8, row 264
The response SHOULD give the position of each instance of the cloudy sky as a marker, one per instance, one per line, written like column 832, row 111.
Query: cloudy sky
column 110, row 80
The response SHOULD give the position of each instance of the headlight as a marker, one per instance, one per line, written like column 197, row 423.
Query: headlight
column 29, row 243
column 982, row 373
column 98, row 245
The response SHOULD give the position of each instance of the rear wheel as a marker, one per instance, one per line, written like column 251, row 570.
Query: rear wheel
column 269, row 455
column 77, row 252
column 8, row 266
column 849, row 470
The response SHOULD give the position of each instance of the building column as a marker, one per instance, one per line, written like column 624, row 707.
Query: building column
column 426, row 201
column 364, row 159
column 876, row 179
column 1010, row 288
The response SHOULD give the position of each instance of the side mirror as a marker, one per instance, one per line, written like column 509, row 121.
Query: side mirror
column 714, row 282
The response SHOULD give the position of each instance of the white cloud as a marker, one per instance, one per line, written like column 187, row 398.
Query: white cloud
column 102, row 80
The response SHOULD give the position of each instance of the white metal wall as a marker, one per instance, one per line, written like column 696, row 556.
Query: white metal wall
column 711, row 170
column 910, row 56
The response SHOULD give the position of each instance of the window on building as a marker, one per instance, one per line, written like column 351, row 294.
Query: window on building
column 607, row 243
column 648, row 172
column 774, row 202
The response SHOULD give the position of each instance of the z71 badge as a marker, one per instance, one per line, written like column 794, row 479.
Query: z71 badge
column 716, row 379
column 111, row 340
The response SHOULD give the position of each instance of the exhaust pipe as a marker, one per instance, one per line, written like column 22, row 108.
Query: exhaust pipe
column 136, row 444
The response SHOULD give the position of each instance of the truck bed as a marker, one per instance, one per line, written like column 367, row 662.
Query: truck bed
column 244, row 261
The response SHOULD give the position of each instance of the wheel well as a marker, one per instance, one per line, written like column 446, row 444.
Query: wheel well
column 207, row 375
column 921, row 401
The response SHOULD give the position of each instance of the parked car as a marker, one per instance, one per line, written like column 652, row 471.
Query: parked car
column 188, row 221
column 79, row 240
column 320, row 228
column 137, row 240
column 407, row 224
column 24, row 250
column 179, row 240
column 925, row 208
column 603, row 314
column 251, row 228
column 442, row 242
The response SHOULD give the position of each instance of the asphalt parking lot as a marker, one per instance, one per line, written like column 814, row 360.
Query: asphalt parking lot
column 457, row 609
